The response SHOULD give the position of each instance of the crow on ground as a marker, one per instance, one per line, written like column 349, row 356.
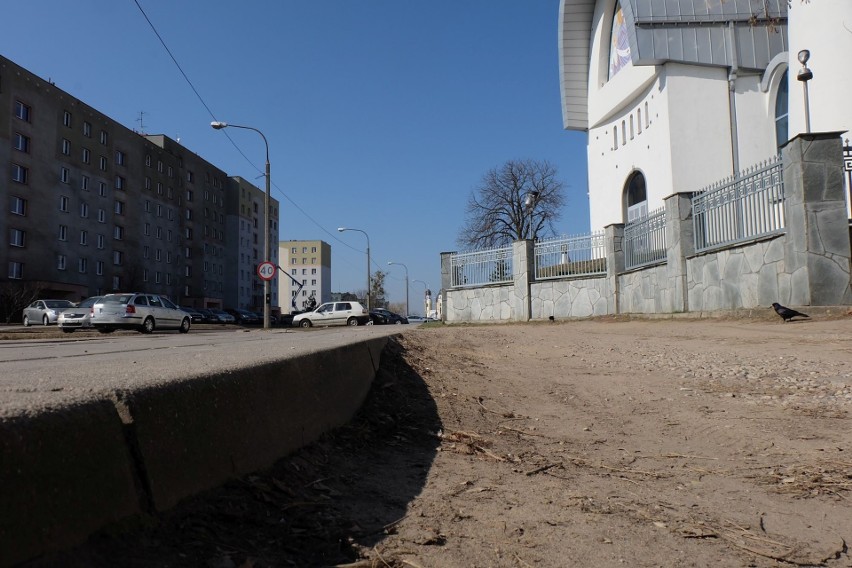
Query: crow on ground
column 787, row 314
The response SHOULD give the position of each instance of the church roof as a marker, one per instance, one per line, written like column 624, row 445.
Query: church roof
column 697, row 32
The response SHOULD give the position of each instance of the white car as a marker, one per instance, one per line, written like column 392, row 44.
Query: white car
column 334, row 313
column 78, row 317
column 142, row 312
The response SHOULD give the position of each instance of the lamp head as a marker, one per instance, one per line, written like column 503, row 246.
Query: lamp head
column 389, row 263
column 218, row 125
column 341, row 229
column 804, row 55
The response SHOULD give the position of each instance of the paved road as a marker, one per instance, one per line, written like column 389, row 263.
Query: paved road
column 40, row 373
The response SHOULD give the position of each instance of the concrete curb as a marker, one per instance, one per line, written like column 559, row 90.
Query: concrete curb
column 68, row 473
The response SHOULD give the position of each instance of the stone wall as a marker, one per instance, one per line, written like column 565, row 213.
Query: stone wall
column 571, row 298
column 486, row 304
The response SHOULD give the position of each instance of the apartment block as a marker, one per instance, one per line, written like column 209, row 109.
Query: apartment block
column 308, row 265
column 89, row 206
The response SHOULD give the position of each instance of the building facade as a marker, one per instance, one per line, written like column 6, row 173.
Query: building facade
column 308, row 264
column 678, row 95
column 244, row 225
column 90, row 206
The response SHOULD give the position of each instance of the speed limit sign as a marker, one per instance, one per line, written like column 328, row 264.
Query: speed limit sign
column 266, row 270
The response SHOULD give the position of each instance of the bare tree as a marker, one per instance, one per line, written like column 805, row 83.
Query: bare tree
column 519, row 200
column 15, row 295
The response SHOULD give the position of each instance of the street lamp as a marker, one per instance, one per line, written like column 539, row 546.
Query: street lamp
column 341, row 229
column 406, row 285
column 804, row 75
column 266, row 255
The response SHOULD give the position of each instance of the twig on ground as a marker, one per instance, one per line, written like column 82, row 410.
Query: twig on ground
column 543, row 468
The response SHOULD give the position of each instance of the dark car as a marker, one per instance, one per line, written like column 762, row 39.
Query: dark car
column 209, row 317
column 245, row 317
column 195, row 315
column 381, row 316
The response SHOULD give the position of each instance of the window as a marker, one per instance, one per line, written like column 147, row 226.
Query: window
column 83, row 265
column 84, row 209
column 294, row 271
column 21, row 142
column 637, row 200
column 781, row 114
column 66, row 147
column 168, row 257
column 639, row 120
column 104, row 137
column 159, row 210
column 19, row 205
column 189, row 214
column 118, row 232
column 157, row 277
column 101, row 216
column 60, row 262
column 147, row 183
column 313, row 249
column 116, row 283
column 63, row 232
column 119, row 182
column 22, row 111
column 187, row 271
column 160, row 233
column 87, row 129
column 314, row 260
column 146, row 252
column 99, row 268
column 147, row 229
column 64, row 175
column 313, row 282
column 187, row 252
column 304, row 260
column 117, row 257
column 63, row 203
column 102, row 163
column 102, row 189
column 293, row 250
column 84, row 238
column 304, row 250
column 171, row 172
column 160, row 166
column 66, row 119
column 190, row 177
column 119, row 208
column 159, row 188
column 304, row 271
column 120, row 158
column 16, row 270
column 84, row 183
column 17, row 238
column 101, row 242
column 144, row 275
column 619, row 46
column 313, row 270
column 20, row 174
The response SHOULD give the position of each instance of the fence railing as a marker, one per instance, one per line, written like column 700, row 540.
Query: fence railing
column 573, row 255
column 492, row 266
column 740, row 208
column 645, row 240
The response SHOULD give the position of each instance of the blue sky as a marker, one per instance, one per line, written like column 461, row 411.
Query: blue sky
column 380, row 114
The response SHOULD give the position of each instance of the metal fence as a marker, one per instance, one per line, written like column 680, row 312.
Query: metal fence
column 740, row 208
column 492, row 266
column 645, row 240
column 573, row 255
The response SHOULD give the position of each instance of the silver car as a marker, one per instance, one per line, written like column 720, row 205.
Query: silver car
column 78, row 317
column 45, row 312
column 142, row 312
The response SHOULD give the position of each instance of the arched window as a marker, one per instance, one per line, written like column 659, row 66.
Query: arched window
column 636, row 197
column 619, row 47
column 781, row 112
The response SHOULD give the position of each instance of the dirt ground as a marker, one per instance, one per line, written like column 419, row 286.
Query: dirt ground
column 723, row 443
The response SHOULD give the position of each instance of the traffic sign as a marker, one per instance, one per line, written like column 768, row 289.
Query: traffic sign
column 266, row 270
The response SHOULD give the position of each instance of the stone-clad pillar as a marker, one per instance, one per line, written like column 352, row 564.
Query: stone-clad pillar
column 817, row 252
column 446, row 282
column 679, row 245
column 523, row 273
column 614, row 263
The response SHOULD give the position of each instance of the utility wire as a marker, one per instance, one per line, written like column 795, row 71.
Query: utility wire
column 234, row 144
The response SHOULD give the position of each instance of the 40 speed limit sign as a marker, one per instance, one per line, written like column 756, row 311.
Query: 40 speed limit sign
column 266, row 270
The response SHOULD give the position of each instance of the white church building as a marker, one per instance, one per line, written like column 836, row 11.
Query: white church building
column 678, row 94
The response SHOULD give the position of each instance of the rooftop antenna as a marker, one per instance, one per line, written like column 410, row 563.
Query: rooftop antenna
column 142, row 114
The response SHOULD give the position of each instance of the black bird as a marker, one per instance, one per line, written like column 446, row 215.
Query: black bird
column 787, row 314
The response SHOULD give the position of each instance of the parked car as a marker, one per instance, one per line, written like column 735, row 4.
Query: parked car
column 78, row 317
column 142, row 312
column 334, row 313
column 44, row 312
column 245, row 317
column 208, row 315
column 194, row 315
column 389, row 316
column 224, row 317
column 416, row 319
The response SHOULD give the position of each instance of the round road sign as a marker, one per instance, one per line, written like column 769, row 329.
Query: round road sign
column 266, row 270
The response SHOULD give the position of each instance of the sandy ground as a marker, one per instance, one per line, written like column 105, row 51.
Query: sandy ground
column 723, row 443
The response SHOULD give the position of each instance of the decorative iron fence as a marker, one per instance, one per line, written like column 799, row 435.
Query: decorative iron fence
column 645, row 240
column 492, row 266
column 574, row 255
column 740, row 208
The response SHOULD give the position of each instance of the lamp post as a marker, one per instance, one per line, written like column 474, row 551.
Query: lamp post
column 425, row 289
column 341, row 229
column 266, row 299
column 406, row 284
column 804, row 75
